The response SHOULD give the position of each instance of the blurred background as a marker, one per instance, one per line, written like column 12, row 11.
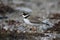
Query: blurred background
column 38, row 7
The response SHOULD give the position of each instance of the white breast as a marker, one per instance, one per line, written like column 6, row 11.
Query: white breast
column 26, row 21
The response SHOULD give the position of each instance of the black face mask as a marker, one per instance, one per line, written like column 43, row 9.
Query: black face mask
column 25, row 13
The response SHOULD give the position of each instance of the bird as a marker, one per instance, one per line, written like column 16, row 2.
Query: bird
column 34, row 21
column 28, row 19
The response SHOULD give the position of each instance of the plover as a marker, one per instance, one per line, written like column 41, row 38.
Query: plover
column 28, row 19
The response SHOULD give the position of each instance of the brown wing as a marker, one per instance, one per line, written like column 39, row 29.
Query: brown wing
column 34, row 20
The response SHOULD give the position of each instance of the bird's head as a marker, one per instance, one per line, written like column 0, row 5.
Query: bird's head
column 25, row 15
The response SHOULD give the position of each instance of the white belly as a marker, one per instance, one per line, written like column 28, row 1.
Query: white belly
column 28, row 22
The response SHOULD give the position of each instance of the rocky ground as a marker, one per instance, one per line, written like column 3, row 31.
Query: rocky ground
column 39, row 8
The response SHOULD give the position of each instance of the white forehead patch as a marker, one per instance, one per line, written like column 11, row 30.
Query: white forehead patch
column 24, row 15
